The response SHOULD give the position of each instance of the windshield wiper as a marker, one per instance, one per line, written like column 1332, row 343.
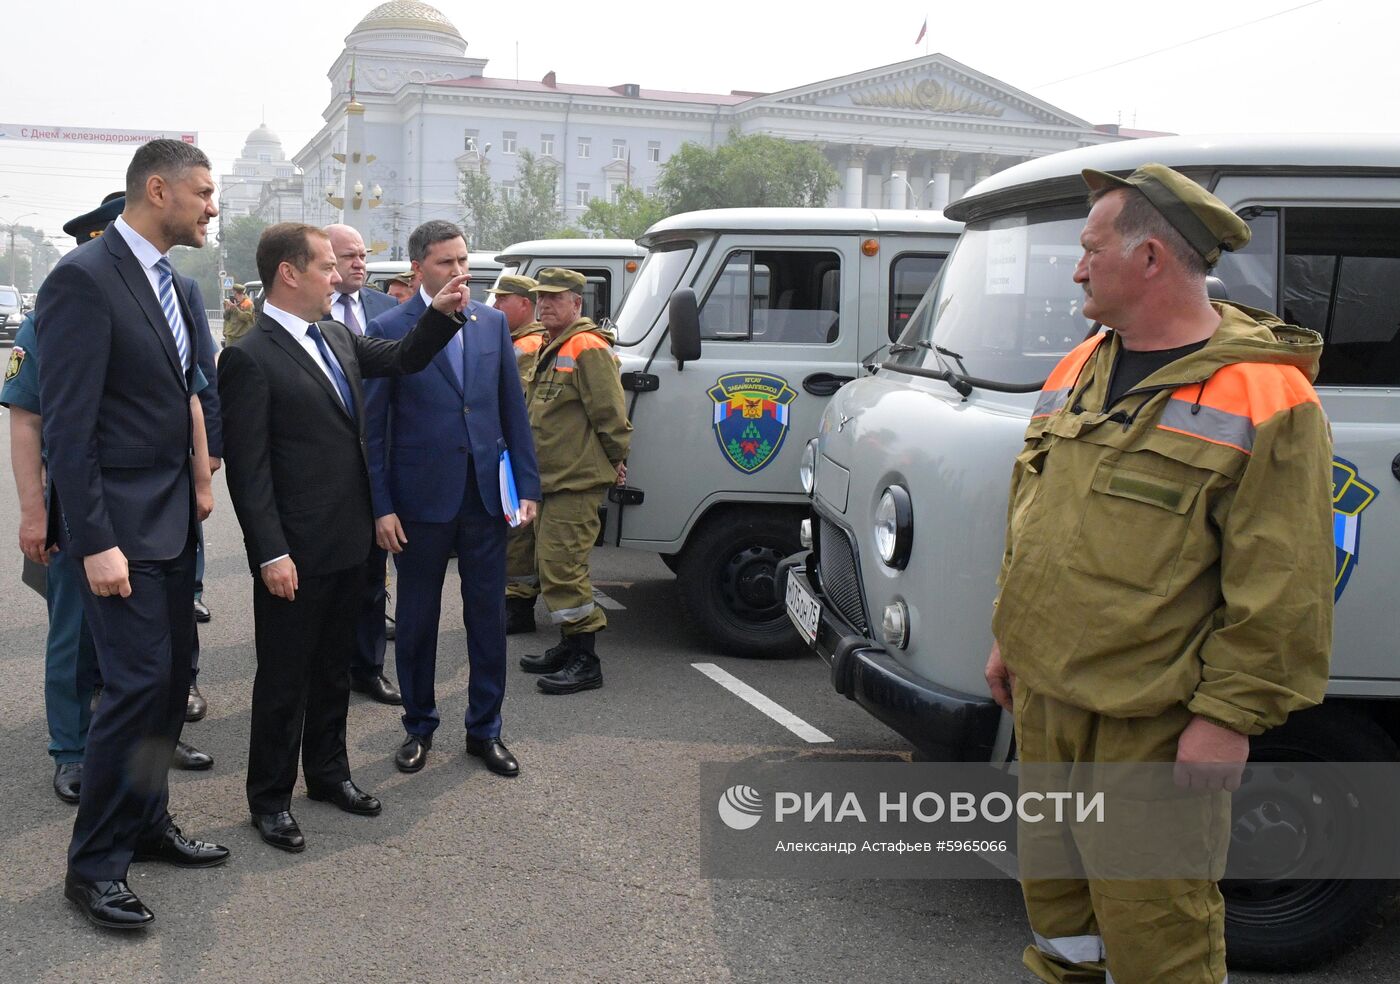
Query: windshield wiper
column 953, row 379
column 867, row 362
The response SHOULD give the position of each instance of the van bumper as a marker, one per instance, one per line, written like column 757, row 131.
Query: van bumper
column 944, row 724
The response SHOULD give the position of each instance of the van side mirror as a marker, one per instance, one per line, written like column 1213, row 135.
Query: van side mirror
column 684, row 327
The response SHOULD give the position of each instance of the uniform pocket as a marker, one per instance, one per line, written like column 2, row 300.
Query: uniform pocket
column 1134, row 527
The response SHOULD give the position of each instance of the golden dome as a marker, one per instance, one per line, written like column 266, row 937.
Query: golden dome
column 406, row 15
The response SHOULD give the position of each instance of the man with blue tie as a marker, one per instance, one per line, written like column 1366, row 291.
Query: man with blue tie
column 124, row 433
column 355, row 306
column 435, row 442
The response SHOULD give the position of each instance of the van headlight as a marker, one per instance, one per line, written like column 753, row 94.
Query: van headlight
column 807, row 468
column 894, row 527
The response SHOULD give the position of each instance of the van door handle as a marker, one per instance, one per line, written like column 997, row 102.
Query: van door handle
column 824, row 383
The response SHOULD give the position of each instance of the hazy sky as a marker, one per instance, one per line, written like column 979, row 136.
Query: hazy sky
column 220, row 69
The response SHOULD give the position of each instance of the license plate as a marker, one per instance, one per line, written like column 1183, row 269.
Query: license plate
column 804, row 609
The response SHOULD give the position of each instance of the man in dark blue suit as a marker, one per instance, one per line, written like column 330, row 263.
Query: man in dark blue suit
column 355, row 306
column 435, row 442
column 120, row 346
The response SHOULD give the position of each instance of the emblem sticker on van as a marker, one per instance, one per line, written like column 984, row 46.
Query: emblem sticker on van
column 751, row 417
column 1350, row 495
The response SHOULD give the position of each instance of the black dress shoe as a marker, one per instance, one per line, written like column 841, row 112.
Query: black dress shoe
column 201, row 611
column 413, row 753
column 189, row 758
column 68, row 781
column 377, row 687
column 347, row 796
column 195, row 705
column 109, row 904
column 175, row 848
column 496, row 756
column 280, row 830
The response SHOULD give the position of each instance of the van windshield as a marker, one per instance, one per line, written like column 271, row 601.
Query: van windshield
column 1006, row 307
column 660, row 274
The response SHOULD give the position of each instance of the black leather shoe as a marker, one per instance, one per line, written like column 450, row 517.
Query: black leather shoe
column 520, row 615
column 201, row 611
column 349, row 797
column 280, row 830
column 378, row 688
column 496, row 756
column 582, row 672
column 189, row 758
column 413, row 753
column 553, row 659
column 175, row 848
column 195, row 705
column 68, row 781
column 109, row 904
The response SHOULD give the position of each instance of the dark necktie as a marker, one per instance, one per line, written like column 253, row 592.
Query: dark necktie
column 351, row 322
column 341, row 383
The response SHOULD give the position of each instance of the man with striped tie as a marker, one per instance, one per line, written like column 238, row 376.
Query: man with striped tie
column 117, row 337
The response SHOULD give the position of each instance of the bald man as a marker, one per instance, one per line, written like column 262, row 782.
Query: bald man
column 355, row 306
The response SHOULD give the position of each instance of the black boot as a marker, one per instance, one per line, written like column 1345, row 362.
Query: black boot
column 553, row 658
column 582, row 672
column 520, row 615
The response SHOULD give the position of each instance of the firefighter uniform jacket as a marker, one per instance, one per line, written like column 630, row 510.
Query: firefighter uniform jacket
column 1176, row 548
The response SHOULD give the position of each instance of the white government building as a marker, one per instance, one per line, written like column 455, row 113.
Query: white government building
column 421, row 112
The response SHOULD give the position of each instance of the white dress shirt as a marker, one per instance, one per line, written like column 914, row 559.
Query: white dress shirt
column 147, row 255
column 297, row 328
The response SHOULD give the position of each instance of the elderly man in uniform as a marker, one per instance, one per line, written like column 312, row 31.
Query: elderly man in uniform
column 1176, row 475
column 514, row 297
column 400, row 287
column 579, row 420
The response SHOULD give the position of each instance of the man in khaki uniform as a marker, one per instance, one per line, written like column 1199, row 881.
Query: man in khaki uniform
column 581, row 431
column 1167, row 584
column 515, row 298
column 238, row 314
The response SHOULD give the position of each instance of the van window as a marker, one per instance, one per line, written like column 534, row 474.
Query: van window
column 1341, row 266
column 1250, row 275
column 910, row 277
column 597, row 293
column 775, row 296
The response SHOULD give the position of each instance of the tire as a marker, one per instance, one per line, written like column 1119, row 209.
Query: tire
column 728, row 586
column 1291, row 924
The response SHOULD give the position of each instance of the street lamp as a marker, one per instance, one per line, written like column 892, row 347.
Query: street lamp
column 12, row 223
column 916, row 195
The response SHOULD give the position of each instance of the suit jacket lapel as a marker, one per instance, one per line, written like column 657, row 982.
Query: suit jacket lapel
column 284, row 340
column 481, row 343
column 134, row 275
column 341, row 347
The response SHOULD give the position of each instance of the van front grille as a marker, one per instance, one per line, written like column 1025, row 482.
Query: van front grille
column 840, row 576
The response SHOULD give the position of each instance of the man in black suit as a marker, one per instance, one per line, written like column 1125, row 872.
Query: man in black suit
column 355, row 306
column 120, row 345
column 294, row 447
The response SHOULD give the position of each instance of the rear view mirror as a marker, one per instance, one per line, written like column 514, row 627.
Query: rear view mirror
column 684, row 327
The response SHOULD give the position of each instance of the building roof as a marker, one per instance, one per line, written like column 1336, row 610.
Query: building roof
column 407, row 15
column 617, row 91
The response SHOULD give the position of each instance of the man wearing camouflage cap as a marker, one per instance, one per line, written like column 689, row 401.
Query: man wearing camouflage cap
column 1167, row 584
column 238, row 314
column 514, row 297
column 581, row 432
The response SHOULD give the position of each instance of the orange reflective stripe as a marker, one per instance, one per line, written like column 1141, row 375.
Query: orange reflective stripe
column 528, row 344
column 1062, row 378
column 1234, row 401
column 581, row 342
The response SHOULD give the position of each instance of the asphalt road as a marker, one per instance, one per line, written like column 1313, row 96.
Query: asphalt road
column 586, row 868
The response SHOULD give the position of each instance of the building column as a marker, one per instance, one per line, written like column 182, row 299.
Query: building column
column 943, row 162
column 899, row 186
column 983, row 167
column 855, row 176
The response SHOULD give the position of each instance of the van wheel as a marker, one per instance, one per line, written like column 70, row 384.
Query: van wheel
column 728, row 582
column 1290, row 923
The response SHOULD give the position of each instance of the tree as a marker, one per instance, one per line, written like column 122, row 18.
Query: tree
column 203, row 266
column 238, row 242
column 495, row 218
column 631, row 215
column 755, row 170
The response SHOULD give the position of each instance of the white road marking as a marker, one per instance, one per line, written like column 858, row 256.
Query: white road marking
column 770, row 707
column 608, row 602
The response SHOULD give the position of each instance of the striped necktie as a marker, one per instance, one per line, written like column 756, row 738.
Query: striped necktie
column 172, row 311
column 342, row 384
